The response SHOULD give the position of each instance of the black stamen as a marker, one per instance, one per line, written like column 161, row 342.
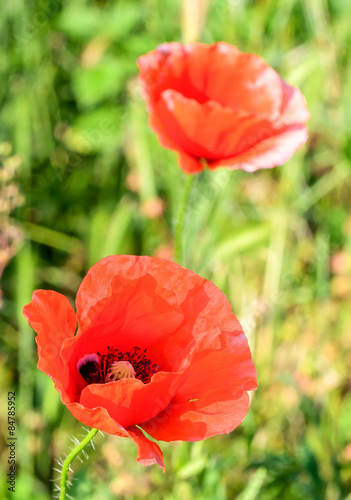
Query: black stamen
column 94, row 367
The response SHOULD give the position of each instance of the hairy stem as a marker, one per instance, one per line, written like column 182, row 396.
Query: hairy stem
column 70, row 457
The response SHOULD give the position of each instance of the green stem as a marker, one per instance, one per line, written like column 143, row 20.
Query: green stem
column 180, row 220
column 70, row 457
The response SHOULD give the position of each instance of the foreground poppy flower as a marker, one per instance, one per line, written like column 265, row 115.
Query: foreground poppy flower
column 158, row 349
column 218, row 104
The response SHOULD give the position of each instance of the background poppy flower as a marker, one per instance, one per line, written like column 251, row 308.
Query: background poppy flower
column 219, row 104
column 157, row 347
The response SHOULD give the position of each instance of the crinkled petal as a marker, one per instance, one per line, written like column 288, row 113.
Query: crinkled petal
column 201, row 303
column 173, row 282
column 132, row 315
column 204, row 406
column 97, row 283
column 129, row 401
column 53, row 318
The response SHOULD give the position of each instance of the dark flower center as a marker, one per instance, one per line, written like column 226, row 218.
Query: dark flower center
column 98, row 368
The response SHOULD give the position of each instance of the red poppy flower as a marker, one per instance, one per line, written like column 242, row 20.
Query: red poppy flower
column 221, row 105
column 158, row 349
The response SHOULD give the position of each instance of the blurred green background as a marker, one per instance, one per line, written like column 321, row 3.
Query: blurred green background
column 82, row 176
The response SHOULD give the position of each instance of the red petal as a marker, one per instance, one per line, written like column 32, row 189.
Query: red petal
column 217, row 409
column 95, row 286
column 168, row 67
column 97, row 283
column 129, row 401
column 189, row 164
column 149, row 453
column 173, row 282
column 133, row 314
column 268, row 153
column 238, row 80
column 219, row 72
column 206, row 130
column 98, row 418
column 217, row 103
column 52, row 317
column 194, row 421
column 295, row 109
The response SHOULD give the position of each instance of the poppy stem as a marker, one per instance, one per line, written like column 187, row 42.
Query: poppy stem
column 179, row 229
column 70, row 457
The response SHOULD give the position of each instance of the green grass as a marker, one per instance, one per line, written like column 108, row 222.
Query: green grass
column 277, row 242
